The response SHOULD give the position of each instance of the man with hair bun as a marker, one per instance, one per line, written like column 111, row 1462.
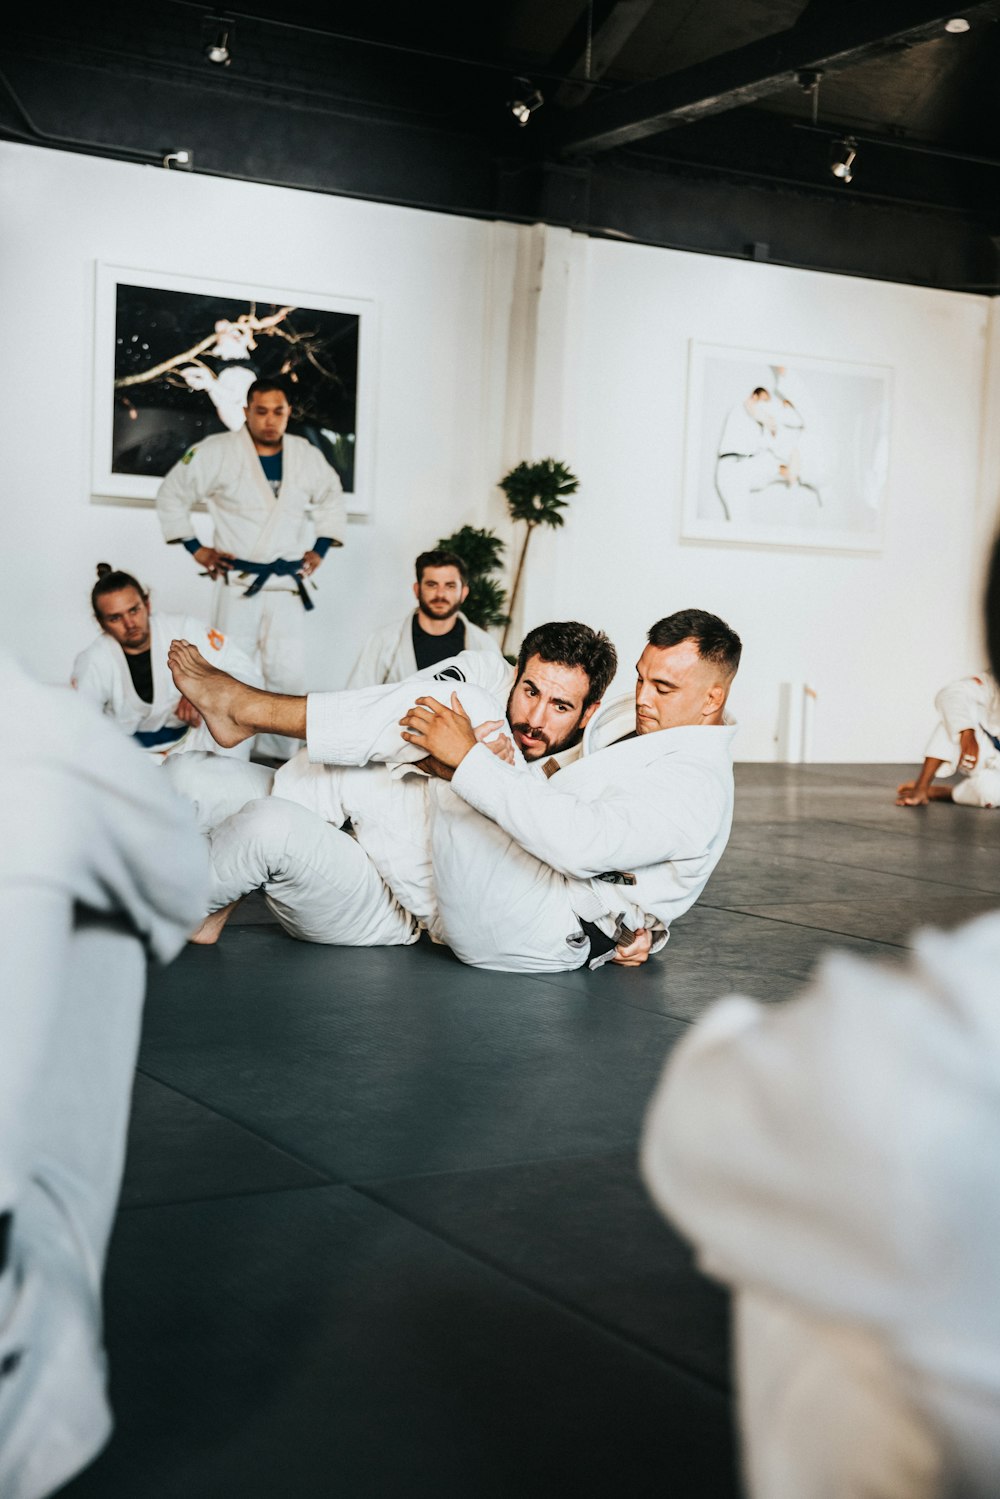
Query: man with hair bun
column 432, row 632
column 276, row 507
column 124, row 671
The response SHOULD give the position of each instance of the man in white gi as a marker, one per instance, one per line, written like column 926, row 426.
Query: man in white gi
column 378, row 887
column 528, row 873
column 432, row 632
column 276, row 507
column 124, row 671
column 966, row 740
column 100, row 867
column 834, row 1161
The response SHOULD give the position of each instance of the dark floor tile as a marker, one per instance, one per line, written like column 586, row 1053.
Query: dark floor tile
column 253, row 910
column 179, row 1149
column 915, row 853
column 754, row 877
column 887, row 919
column 584, row 1233
column 304, row 1345
column 386, row 1061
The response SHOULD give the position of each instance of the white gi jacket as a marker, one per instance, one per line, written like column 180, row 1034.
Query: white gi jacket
column 970, row 703
column 101, row 674
column 834, row 1160
column 99, row 864
column 225, row 473
column 387, row 655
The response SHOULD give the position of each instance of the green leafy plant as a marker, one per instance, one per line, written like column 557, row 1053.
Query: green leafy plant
column 537, row 494
column 482, row 552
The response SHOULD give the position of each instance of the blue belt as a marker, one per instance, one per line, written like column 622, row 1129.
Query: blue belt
column 994, row 740
column 153, row 738
column 281, row 568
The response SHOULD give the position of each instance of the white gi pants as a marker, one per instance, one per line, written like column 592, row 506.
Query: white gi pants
column 90, row 976
column 319, row 883
column 981, row 787
column 216, row 784
column 270, row 628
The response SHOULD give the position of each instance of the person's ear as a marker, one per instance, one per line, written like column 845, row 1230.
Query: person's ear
column 464, row 594
column 588, row 713
column 715, row 700
column 416, row 591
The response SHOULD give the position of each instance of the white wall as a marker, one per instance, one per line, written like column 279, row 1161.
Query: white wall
column 875, row 635
column 500, row 342
column 61, row 213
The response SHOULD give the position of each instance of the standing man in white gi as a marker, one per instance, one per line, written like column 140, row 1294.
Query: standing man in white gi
column 834, row 1161
column 124, row 671
column 966, row 740
column 276, row 507
column 528, row 872
column 100, row 868
column 432, row 632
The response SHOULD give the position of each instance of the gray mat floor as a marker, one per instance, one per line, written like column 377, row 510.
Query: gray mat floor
column 382, row 1233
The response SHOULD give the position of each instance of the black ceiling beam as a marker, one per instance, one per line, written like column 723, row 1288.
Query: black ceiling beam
column 826, row 43
column 610, row 24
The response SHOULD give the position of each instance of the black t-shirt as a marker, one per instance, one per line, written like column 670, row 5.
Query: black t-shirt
column 140, row 669
column 430, row 649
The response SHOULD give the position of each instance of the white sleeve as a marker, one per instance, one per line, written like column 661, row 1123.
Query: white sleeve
column 370, row 668
column 672, row 814
column 962, row 704
column 89, row 680
column 189, row 481
column 327, row 506
column 776, row 1140
column 361, row 724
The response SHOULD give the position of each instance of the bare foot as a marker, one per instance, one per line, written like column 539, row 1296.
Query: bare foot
column 910, row 795
column 211, row 928
column 216, row 695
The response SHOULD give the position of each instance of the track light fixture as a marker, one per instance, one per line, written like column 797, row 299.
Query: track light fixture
column 218, row 32
column 183, row 160
column 958, row 25
column 842, row 158
column 218, row 51
column 526, row 99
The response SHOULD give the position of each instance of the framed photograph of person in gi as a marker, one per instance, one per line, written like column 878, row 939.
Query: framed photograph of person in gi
column 175, row 357
column 785, row 449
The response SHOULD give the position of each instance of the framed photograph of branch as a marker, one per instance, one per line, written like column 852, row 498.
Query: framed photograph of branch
column 785, row 450
column 174, row 357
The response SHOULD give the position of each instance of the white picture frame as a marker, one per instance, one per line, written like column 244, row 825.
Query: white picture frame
column 169, row 319
column 785, row 450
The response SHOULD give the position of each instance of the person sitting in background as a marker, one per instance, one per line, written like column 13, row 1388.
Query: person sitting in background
column 966, row 740
column 124, row 671
column 434, row 631
column 833, row 1160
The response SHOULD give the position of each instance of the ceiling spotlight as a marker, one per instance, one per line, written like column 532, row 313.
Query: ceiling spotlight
column 527, row 98
column 958, row 25
column 183, row 160
column 842, row 158
column 218, row 51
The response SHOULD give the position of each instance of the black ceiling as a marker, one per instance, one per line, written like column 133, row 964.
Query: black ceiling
column 698, row 124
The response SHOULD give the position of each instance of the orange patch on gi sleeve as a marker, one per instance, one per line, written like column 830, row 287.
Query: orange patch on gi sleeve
column 216, row 640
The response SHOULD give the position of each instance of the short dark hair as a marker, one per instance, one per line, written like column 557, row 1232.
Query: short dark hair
column 265, row 383
column 110, row 580
column 993, row 610
column 441, row 559
column 715, row 640
column 572, row 644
